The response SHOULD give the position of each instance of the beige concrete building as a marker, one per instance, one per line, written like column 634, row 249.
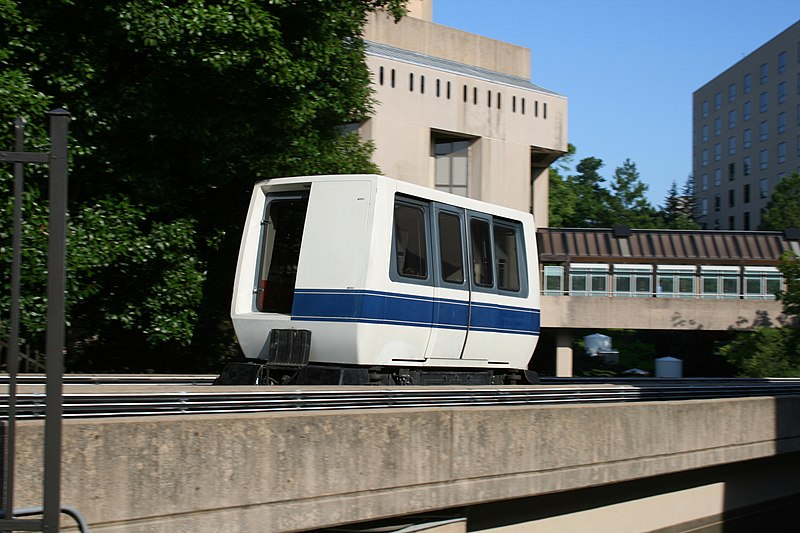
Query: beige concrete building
column 746, row 125
column 457, row 111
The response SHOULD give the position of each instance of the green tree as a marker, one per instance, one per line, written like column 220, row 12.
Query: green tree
column 581, row 199
column 178, row 108
column 592, row 208
column 677, row 212
column 790, row 298
column 765, row 352
column 140, row 279
column 783, row 209
column 562, row 198
column 628, row 204
column 772, row 352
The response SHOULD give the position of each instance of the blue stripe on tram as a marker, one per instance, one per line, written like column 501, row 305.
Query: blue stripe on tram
column 374, row 307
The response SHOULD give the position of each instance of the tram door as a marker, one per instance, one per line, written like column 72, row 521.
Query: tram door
column 451, row 291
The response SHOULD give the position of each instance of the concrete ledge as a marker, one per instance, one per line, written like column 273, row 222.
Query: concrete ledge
column 290, row 472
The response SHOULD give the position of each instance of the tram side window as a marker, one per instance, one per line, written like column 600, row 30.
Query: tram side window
column 507, row 257
column 280, row 250
column 410, row 241
column 450, row 248
column 481, row 253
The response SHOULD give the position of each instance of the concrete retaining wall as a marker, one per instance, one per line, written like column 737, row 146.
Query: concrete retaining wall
column 290, row 472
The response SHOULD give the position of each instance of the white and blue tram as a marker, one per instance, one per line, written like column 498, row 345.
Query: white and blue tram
column 367, row 279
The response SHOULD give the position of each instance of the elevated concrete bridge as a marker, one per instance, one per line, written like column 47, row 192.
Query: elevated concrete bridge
column 610, row 467
column 667, row 280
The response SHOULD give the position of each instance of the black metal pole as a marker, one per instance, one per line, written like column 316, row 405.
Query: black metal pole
column 13, row 340
column 56, row 284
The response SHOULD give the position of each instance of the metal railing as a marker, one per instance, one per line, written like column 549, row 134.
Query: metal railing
column 664, row 295
column 30, row 362
column 98, row 401
column 56, row 159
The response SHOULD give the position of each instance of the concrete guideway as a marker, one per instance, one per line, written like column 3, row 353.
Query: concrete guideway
column 298, row 471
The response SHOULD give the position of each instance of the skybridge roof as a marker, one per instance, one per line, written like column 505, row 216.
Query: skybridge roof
column 625, row 245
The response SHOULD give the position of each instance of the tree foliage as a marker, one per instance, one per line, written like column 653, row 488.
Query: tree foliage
column 629, row 205
column 790, row 298
column 562, row 198
column 773, row 352
column 783, row 209
column 178, row 108
column 678, row 210
column 583, row 198
column 765, row 352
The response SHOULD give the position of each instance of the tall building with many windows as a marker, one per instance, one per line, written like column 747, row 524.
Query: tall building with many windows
column 458, row 112
column 746, row 127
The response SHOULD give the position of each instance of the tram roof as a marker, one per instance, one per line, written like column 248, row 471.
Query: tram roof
column 624, row 245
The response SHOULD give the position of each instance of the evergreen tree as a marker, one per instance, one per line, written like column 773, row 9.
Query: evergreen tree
column 628, row 203
column 678, row 209
column 592, row 206
column 582, row 199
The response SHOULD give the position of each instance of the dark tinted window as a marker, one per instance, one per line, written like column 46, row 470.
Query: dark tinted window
column 410, row 241
column 481, row 253
column 450, row 248
column 507, row 257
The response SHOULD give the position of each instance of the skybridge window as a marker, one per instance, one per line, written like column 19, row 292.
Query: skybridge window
column 553, row 280
column 633, row 281
column 588, row 279
column 675, row 281
column 720, row 281
column 761, row 283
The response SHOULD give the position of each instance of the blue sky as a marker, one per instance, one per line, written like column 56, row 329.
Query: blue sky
column 628, row 67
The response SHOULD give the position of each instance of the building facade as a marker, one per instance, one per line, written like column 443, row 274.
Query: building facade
column 457, row 112
column 746, row 128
